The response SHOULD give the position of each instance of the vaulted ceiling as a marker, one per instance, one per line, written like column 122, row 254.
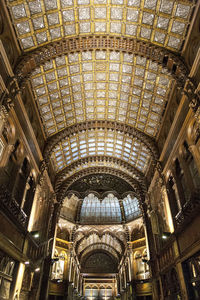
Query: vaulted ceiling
column 101, row 74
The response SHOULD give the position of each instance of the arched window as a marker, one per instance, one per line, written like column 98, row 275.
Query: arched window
column 94, row 210
column 131, row 207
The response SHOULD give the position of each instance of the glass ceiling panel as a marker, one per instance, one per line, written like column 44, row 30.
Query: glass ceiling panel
column 101, row 85
column 94, row 210
column 162, row 22
column 100, row 142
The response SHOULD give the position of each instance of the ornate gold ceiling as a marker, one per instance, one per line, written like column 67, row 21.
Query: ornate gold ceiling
column 162, row 22
column 101, row 85
column 101, row 73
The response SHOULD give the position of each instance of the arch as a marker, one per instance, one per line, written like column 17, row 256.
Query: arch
column 95, row 239
column 100, row 236
column 101, row 184
column 131, row 170
column 99, row 248
column 66, row 184
column 107, row 264
column 161, row 55
column 146, row 140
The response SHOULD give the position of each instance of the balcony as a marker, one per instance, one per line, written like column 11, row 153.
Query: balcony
column 11, row 208
column 189, row 210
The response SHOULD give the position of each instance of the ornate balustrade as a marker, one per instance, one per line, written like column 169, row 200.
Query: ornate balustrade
column 10, row 206
column 167, row 256
column 190, row 209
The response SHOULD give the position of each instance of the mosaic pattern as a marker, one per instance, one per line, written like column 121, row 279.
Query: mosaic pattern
column 163, row 22
column 100, row 142
column 101, row 85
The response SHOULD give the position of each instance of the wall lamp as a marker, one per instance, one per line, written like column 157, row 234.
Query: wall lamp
column 35, row 234
column 37, row 269
column 166, row 235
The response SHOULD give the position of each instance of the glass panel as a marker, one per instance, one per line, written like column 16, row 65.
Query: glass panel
column 131, row 207
column 95, row 211
column 112, row 143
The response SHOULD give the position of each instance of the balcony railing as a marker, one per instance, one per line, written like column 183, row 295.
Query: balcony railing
column 189, row 210
column 10, row 206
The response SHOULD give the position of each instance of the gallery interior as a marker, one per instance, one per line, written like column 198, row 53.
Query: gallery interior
column 99, row 149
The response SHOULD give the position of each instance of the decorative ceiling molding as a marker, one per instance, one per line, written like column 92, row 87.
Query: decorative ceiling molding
column 81, row 254
column 101, row 184
column 168, row 59
column 64, row 174
column 61, row 193
column 77, row 243
column 126, row 129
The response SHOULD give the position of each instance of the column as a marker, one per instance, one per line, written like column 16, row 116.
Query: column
column 168, row 210
column 47, row 261
column 27, row 187
column 196, row 154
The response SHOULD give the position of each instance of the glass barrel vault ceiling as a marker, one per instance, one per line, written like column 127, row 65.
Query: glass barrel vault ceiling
column 101, row 142
column 163, row 22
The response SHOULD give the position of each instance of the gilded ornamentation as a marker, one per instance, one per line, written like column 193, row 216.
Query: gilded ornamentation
column 66, row 184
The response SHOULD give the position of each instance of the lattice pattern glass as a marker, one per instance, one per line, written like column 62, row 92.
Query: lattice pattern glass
column 101, row 85
column 95, row 211
column 162, row 22
column 101, row 142
column 131, row 207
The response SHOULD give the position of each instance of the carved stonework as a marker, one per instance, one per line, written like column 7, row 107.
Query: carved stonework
column 65, row 186
column 193, row 95
column 100, row 263
column 63, row 175
column 101, row 183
